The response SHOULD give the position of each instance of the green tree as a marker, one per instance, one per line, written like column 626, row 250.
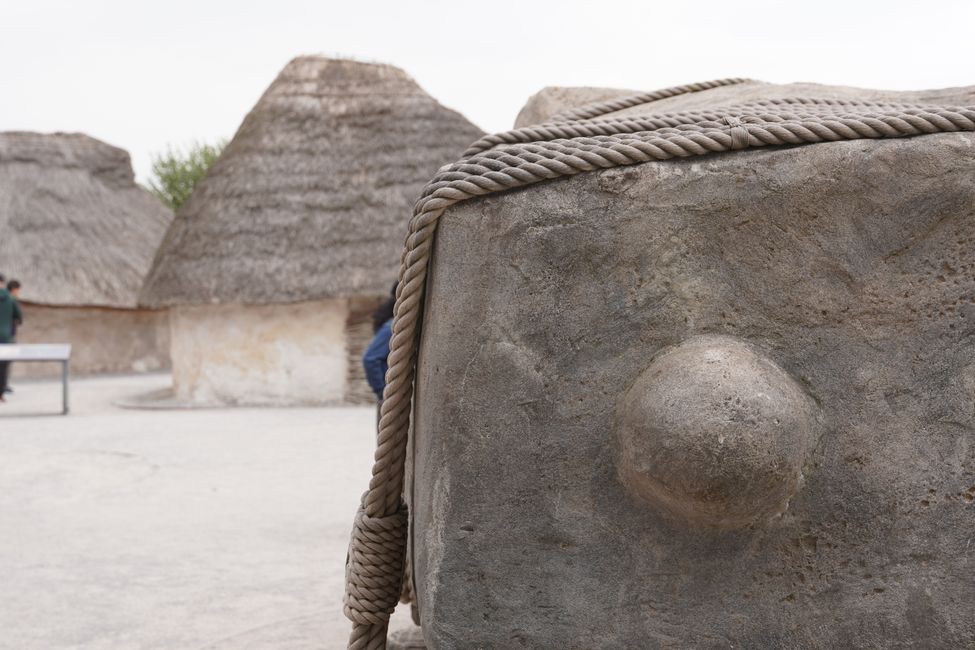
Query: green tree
column 176, row 172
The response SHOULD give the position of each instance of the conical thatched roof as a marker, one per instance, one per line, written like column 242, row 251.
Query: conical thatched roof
column 312, row 197
column 75, row 229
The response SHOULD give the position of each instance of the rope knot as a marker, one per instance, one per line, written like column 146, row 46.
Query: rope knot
column 374, row 566
column 738, row 132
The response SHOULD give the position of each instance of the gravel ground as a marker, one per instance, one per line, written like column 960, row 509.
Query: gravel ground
column 218, row 528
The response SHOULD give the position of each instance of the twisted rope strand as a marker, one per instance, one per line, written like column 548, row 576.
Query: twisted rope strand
column 522, row 157
column 612, row 105
column 755, row 112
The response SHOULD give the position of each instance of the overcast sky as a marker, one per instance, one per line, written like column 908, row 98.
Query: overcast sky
column 142, row 75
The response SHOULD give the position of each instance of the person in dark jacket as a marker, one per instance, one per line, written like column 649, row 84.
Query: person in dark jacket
column 10, row 317
column 13, row 287
column 374, row 360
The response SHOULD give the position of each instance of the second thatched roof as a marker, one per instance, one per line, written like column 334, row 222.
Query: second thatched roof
column 312, row 197
column 75, row 229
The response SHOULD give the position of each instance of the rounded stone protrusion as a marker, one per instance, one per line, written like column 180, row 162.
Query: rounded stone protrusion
column 715, row 433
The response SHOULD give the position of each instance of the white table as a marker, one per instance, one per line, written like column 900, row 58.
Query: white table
column 58, row 352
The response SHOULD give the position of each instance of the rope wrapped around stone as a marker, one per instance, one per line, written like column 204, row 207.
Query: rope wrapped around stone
column 374, row 573
column 571, row 144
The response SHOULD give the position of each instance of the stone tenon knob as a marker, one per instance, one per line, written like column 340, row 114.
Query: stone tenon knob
column 715, row 433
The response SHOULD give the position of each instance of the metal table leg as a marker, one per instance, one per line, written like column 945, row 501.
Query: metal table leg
column 64, row 386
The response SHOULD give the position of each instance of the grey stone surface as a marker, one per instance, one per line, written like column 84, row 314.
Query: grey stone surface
column 847, row 272
column 551, row 100
column 755, row 90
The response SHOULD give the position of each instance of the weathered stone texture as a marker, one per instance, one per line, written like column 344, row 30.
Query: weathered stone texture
column 552, row 100
column 849, row 266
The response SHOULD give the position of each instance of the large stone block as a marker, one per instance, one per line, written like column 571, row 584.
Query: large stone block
column 719, row 402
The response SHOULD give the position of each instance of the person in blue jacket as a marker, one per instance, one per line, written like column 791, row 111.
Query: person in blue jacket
column 374, row 359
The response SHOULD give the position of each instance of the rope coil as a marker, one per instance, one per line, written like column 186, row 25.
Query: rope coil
column 572, row 143
column 374, row 573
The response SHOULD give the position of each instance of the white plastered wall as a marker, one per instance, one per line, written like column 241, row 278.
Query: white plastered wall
column 290, row 354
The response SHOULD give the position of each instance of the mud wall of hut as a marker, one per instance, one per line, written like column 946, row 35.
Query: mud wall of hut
column 287, row 354
column 103, row 340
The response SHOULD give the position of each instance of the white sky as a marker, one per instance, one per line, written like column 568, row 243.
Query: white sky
column 142, row 75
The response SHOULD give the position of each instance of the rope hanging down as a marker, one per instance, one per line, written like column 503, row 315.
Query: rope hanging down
column 574, row 142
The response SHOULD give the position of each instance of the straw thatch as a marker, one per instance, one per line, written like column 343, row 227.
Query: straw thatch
column 312, row 197
column 74, row 226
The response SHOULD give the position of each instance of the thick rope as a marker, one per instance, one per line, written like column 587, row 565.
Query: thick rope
column 572, row 144
column 612, row 105
column 758, row 112
column 374, row 574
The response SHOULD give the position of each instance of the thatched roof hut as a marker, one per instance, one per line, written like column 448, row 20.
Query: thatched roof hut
column 80, row 235
column 77, row 230
column 311, row 198
column 276, row 260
